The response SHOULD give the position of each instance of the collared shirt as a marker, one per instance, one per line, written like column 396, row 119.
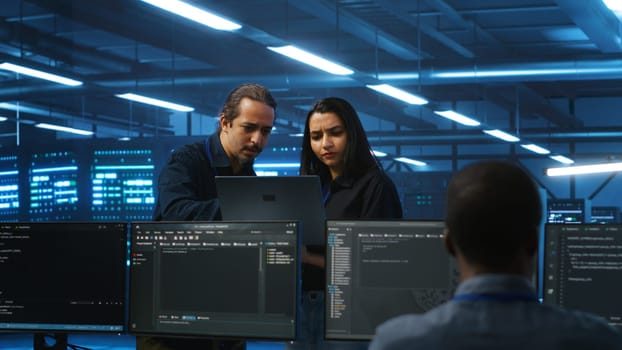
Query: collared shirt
column 186, row 185
column 371, row 196
column 502, row 319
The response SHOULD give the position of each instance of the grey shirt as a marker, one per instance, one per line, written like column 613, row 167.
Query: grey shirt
column 496, row 312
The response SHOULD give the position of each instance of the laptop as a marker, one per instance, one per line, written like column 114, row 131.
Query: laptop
column 275, row 198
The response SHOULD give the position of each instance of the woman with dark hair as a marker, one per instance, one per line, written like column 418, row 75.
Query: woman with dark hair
column 335, row 147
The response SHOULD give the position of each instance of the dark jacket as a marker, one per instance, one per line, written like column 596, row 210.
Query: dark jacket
column 186, row 186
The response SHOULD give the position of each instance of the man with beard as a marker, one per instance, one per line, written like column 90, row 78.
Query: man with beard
column 187, row 188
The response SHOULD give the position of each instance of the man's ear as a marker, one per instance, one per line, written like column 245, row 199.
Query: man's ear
column 449, row 245
column 223, row 122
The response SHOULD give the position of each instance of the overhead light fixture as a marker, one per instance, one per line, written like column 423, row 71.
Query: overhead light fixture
column 379, row 153
column 613, row 5
column 562, row 159
column 64, row 129
column 584, row 169
column 195, row 14
column 39, row 74
column 398, row 94
column 3, row 119
column 502, row 135
column 535, row 148
column 311, row 59
column 411, row 161
column 155, row 102
column 458, row 118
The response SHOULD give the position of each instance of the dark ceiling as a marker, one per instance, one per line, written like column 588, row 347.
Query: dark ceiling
column 519, row 65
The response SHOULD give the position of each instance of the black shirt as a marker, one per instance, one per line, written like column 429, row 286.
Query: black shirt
column 186, row 186
column 371, row 196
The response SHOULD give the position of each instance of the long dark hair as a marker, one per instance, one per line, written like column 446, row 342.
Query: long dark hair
column 358, row 156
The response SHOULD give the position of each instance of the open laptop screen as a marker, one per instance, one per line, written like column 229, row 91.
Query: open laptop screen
column 297, row 198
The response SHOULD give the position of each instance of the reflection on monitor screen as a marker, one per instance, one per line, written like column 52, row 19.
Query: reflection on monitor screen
column 216, row 279
column 583, row 267
column 63, row 277
column 380, row 269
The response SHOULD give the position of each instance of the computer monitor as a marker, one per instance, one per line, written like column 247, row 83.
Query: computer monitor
column 63, row 277
column 296, row 198
column 214, row 279
column 376, row 270
column 583, row 267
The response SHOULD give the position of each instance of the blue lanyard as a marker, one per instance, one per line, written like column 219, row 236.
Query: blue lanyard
column 326, row 191
column 496, row 297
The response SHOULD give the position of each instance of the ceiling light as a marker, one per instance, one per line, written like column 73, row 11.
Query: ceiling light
column 411, row 161
column 584, row 169
column 156, row 102
column 398, row 94
column 39, row 74
column 3, row 119
column 458, row 118
column 195, row 14
column 535, row 148
column 311, row 59
column 64, row 129
column 614, row 5
column 562, row 159
column 502, row 135
column 379, row 153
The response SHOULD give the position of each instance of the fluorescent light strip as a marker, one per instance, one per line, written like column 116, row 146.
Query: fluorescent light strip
column 614, row 5
column 584, row 169
column 39, row 74
column 458, row 118
column 379, row 154
column 311, row 59
column 64, row 129
column 155, row 102
column 398, row 94
column 195, row 14
column 3, row 119
column 502, row 135
column 562, row 159
column 411, row 161
column 535, row 148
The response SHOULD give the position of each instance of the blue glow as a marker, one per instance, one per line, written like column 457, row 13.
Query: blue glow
column 8, row 188
column 124, row 167
column 9, row 196
column 11, row 172
column 520, row 72
column 55, row 169
column 277, row 165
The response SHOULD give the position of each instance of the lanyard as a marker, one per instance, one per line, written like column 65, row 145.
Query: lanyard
column 326, row 193
column 496, row 297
